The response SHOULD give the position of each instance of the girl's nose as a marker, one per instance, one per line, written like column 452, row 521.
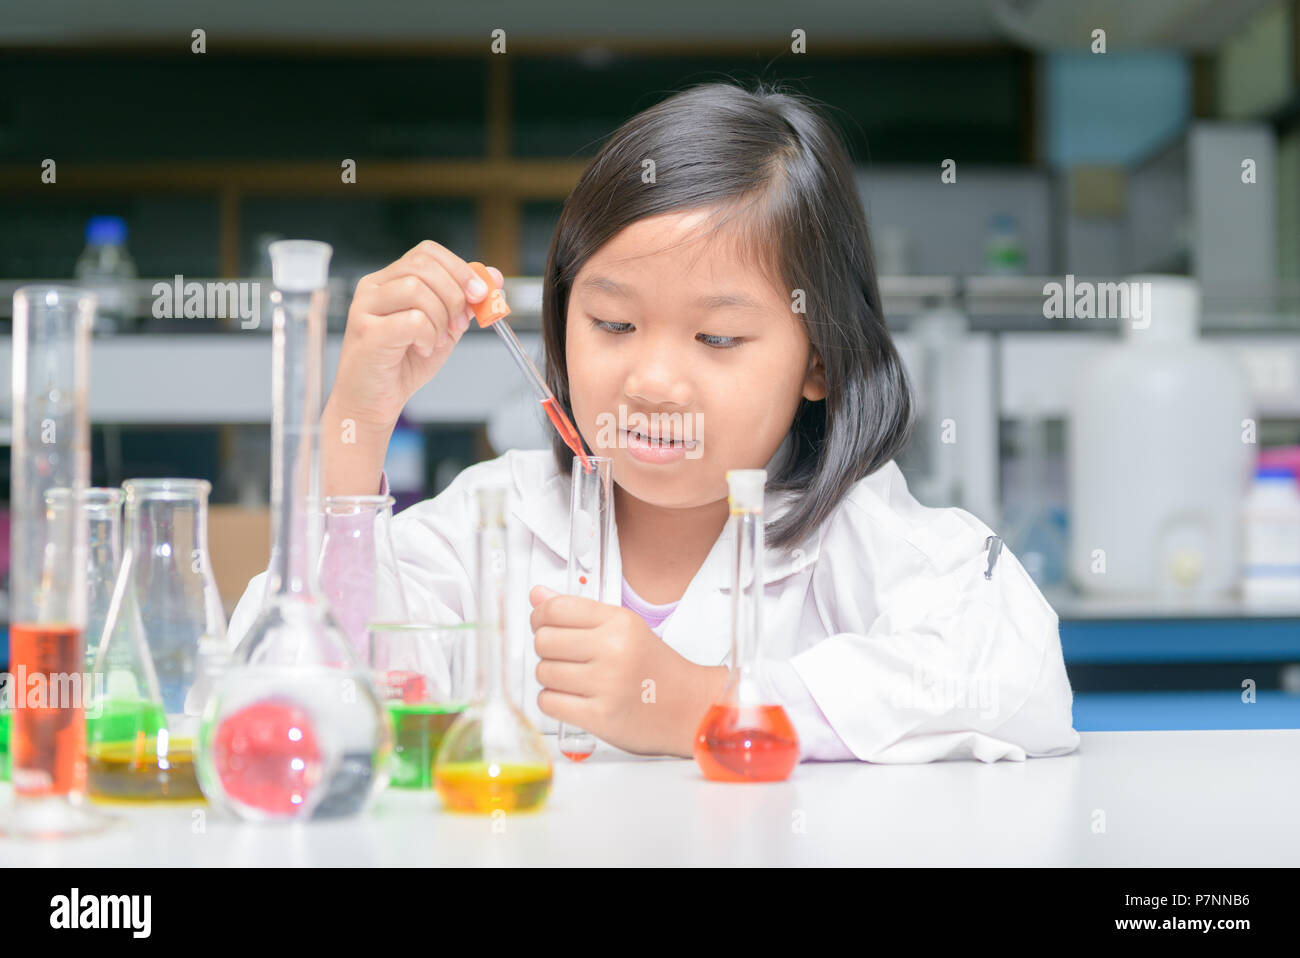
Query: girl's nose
column 659, row 377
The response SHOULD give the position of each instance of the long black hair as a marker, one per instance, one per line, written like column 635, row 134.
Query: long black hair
column 771, row 159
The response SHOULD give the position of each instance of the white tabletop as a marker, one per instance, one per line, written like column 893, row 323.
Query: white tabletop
column 1215, row 798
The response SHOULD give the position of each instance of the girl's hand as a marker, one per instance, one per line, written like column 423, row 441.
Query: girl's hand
column 404, row 322
column 603, row 669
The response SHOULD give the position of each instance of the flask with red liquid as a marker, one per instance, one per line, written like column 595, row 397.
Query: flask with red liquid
column 294, row 728
column 745, row 737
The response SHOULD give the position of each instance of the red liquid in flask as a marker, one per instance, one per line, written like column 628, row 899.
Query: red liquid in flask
column 267, row 756
column 565, row 428
column 49, row 729
column 746, row 744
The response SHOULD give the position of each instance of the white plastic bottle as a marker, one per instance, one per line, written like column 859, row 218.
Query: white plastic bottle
column 1271, row 539
column 1157, row 463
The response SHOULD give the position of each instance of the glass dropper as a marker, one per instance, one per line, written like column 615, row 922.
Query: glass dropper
column 491, row 313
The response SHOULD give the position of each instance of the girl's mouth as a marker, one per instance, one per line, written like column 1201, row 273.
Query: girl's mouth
column 656, row 450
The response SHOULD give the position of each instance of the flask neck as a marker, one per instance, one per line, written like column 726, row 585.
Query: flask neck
column 746, row 591
column 490, row 681
column 297, row 358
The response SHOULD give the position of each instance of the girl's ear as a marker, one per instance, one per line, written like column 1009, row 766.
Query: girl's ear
column 814, row 383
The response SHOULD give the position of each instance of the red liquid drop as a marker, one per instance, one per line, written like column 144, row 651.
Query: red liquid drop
column 267, row 756
column 565, row 428
column 748, row 744
column 582, row 580
column 575, row 756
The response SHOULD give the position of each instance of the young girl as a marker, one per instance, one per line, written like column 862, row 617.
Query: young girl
column 711, row 275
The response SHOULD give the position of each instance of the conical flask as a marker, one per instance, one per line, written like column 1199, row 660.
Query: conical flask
column 132, row 755
column 168, row 590
column 591, row 523
column 492, row 757
column 745, row 737
column 358, row 568
column 294, row 727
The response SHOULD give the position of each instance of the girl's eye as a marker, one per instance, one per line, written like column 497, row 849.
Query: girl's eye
column 721, row 342
column 612, row 327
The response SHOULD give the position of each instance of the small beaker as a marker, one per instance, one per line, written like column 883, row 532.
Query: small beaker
column 423, row 675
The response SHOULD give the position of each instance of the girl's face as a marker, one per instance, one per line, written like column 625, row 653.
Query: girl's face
column 674, row 335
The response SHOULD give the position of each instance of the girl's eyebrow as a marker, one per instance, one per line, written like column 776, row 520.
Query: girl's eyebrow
column 602, row 284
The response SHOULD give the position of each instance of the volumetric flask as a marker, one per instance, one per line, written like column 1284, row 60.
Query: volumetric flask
column 358, row 568
column 51, row 449
column 424, row 675
column 294, row 728
column 744, row 737
column 591, row 523
column 492, row 757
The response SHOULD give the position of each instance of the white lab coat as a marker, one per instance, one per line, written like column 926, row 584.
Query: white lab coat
column 884, row 614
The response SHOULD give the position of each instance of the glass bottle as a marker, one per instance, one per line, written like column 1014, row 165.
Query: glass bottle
column 744, row 737
column 51, row 449
column 492, row 757
column 591, row 520
column 294, row 728
column 358, row 568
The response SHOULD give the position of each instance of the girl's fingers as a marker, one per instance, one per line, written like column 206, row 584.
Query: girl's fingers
column 569, row 611
column 561, row 676
column 561, row 644
column 402, row 293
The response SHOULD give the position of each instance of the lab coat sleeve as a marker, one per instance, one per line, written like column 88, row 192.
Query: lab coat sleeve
column 925, row 658
column 817, row 739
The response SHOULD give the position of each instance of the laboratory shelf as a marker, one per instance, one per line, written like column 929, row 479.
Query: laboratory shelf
column 1201, row 710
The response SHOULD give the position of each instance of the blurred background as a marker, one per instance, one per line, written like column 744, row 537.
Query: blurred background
column 1090, row 141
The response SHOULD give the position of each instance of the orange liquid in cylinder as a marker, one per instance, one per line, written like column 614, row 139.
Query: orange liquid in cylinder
column 49, row 732
column 746, row 744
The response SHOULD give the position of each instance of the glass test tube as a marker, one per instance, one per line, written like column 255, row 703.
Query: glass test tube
column 591, row 524
column 51, row 449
